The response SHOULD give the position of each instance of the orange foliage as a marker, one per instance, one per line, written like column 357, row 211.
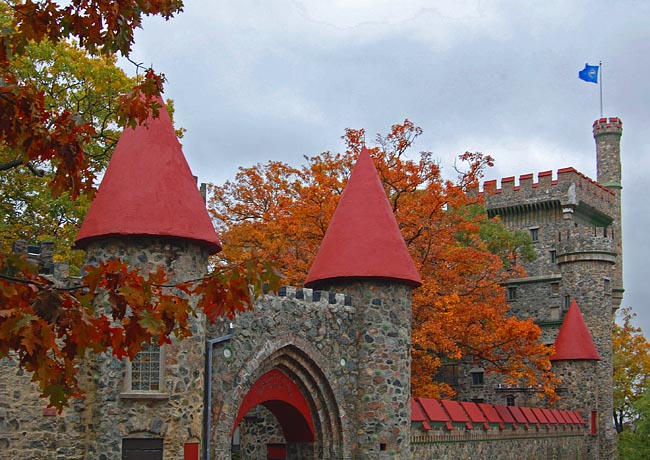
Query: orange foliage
column 280, row 213
column 46, row 328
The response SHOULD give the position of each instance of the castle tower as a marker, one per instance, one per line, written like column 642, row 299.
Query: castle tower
column 364, row 255
column 575, row 361
column 607, row 134
column 586, row 257
column 149, row 212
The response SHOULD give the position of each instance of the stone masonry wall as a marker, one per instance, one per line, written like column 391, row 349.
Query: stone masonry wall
column 309, row 335
column 532, row 446
column 175, row 412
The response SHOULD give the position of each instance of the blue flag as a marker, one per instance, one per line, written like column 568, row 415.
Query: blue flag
column 589, row 73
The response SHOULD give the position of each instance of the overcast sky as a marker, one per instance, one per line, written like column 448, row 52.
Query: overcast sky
column 266, row 80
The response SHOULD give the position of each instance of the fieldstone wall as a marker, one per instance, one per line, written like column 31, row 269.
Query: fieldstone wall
column 500, row 446
column 174, row 413
column 31, row 430
column 349, row 354
column 312, row 338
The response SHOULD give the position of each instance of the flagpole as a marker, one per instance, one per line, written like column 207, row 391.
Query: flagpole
column 600, row 65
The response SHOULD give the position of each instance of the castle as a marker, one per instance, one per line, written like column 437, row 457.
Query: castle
column 322, row 372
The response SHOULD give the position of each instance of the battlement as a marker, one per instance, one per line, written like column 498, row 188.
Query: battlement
column 546, row 184
column 586, row 243
column 570, row 188
column 315, row 296
column 612, row 125
column 42, row 254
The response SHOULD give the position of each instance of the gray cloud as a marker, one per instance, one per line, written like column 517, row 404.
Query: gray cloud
column 254, row 81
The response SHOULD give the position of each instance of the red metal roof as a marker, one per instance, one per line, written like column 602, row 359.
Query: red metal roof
column 148, row 189
column 363, row 239
column 418, row 416
column 444, row 412
column 518, row 415
column 475, row 414
column 574, row 341
column 530, row 416
column 491, row 413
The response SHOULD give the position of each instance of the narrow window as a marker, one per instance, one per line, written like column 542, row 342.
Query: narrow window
column 607, row 285
column 144, row 372
column 553, row 256
column 534, row 234
column 567, row 302
column 511, row 293
column 510, row 400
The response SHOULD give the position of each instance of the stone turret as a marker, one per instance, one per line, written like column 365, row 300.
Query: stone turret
column 607, row 134
column 364, row 255
column 586, row 257
column 149, row 212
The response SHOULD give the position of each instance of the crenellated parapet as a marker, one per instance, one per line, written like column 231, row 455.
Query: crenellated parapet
column 582, row 243
column 611, row 125
column 571, row 191
column 42, row 254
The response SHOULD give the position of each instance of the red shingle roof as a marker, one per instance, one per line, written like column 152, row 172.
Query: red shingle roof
column 148, row 190
column 363, row 239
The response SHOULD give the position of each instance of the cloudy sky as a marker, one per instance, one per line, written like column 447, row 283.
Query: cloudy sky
column 277, row 79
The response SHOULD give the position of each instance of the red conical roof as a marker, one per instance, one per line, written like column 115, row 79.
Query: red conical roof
column 574, row 341
column 148, row 189
column 363, row 239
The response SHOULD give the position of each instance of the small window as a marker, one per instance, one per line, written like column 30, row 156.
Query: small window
column 449, row 374
column 607, row 285
column 553, row 255
column 534, row 234
column 144, row 372
column 555, row 288
column 478, row 400
column 511, row 293
column 510, row 400
column 141, row 449
column 478, row 378
column 567, row 302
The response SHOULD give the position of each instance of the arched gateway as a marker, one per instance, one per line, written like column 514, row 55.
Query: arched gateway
column 293, row 389
column 331, row 362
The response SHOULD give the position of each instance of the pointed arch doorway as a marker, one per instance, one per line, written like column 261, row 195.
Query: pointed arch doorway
column 292, row 386
column 282, row 427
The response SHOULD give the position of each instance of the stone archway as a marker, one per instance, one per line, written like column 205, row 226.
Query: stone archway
column 290, row 409
column 317, row 408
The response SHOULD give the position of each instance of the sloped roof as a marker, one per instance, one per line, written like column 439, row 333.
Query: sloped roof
column 363, row 239
column 148, row 190
column 574, row 341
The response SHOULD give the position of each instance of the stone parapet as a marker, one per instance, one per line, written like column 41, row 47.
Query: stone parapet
column 582, row 243
column 571, row 188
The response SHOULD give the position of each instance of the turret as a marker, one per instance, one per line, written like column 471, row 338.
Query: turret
column 149, row 213
column 364, row 255
column 586, row 257
column 607, row 134
column 576, row 362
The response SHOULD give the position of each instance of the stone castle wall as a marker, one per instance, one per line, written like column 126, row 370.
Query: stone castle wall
column 321, row 341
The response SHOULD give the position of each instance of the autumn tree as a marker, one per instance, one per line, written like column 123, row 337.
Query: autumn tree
column 62, row 103
column 631, row 368
column 634, row 441
column 281, row 213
